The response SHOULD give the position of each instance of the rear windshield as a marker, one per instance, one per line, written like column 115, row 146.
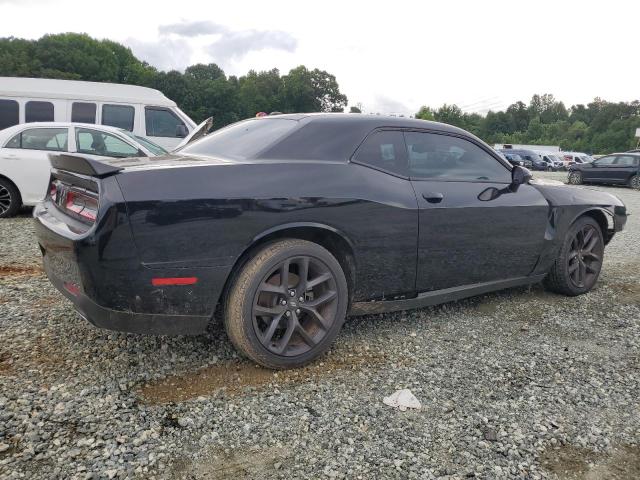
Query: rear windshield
column 242, row 140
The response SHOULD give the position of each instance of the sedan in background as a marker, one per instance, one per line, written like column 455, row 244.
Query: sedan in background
column 284, row 224
column 25, row 149
column 615, row 169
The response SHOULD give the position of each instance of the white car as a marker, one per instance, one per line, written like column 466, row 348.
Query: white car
column 25, row 150
column 569, row 158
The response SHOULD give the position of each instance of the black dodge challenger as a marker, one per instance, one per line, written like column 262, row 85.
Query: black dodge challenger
column 286, row 224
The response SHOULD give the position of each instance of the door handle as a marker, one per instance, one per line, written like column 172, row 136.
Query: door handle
column 433, row 197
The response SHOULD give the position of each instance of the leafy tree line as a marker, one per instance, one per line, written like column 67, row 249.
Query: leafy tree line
column 598, row 127
column 201, row 91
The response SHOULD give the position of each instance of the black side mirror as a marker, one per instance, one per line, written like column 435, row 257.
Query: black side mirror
column 519, row 176
column 181, row 131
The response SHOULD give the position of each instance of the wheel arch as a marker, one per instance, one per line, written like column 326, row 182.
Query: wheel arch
column 4, row 177
column 332, row 239
column 604, row 219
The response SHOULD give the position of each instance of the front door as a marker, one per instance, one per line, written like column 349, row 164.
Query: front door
column 472, row 227
column 599, row 170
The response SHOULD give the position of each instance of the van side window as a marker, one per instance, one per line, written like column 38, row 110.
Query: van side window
column 162, row 122
column 82, row 112
column 9, row 113
column 120, row 116
column 35, row 111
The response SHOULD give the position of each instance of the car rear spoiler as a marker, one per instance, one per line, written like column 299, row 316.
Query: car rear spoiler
column 82, row 165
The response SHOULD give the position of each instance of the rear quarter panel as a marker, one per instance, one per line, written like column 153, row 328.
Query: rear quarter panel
column 206, row 216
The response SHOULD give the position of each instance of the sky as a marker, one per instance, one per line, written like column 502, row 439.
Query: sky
column 390, row 57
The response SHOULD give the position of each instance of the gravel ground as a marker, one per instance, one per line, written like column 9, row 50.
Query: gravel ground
column 517, row 384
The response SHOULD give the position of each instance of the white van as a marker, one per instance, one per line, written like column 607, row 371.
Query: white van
column 143, row 111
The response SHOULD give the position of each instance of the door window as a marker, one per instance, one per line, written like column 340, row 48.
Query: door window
column 94, row 142
column 162, row 122
column 54, row 139
column 38, row 112
column 626, row 161
column 120, row 116
column 604, row 161
column 384, row 150
column 9, row 113
column 444, row 157
column 82, row 112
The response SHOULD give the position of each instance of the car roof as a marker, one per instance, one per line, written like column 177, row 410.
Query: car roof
column 20, row 126
column 371, row 121
column 81, row 90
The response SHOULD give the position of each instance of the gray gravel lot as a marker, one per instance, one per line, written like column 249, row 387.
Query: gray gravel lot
column 517, row 384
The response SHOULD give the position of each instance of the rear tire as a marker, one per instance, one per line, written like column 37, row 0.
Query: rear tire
column 634, row 182
column 575, row 178
column 577, row 268
column 287, row 304
column 10, row 201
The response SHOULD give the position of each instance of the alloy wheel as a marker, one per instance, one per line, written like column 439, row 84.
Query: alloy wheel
column 575, row 178
column 295, row 306
column 585, row 257
column 635, row 182
column 5, row 199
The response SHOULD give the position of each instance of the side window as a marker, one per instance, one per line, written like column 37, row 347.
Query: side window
column 38, row 112
column 54, row 139
column 626, row 161
column 9, row 113
column 384, row 150
column 120, row 116
column 605, row 161
column 436, row 156
column 14, row 142
column 162, row 122
column 82, row 112
column 94, row 142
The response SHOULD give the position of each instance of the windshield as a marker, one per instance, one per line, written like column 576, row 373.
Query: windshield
column 148, row 144
column 242, row 140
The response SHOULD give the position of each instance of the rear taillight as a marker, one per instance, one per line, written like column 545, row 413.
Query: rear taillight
column 82, row 204
column 76, row 197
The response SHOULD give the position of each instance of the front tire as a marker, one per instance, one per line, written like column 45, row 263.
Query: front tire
column 287, row 304
column 10, row 201
column 634, row 182
column 577, row 268
column 575, row 178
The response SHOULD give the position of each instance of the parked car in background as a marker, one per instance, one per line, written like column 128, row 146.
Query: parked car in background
column 529, row 156
column 143, row 111
column 616, row 169
column 569, row 158
column 24, row 155
column 515, row 159
column 269, row 222
column 554, row 161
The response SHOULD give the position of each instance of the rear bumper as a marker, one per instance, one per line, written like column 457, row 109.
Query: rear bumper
column 148, row 323
column 122, row 321
column 100, row 273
